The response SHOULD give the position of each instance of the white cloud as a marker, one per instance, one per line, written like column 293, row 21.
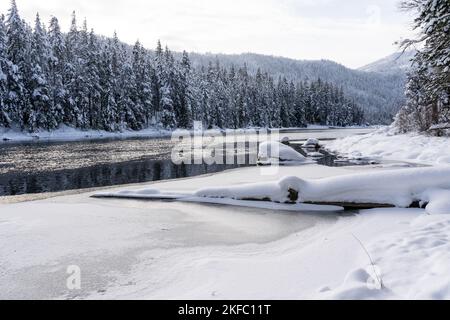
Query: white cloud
column 351, row 32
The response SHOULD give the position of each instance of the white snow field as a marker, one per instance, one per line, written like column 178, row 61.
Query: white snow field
column 135, row 249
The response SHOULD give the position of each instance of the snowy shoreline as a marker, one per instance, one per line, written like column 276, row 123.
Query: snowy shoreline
column 68, row 134
column 383, row 144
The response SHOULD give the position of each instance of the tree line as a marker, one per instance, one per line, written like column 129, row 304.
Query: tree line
column 79, row 79
column 428, row 87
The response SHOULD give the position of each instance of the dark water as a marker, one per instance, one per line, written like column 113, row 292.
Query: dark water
column 50, row 167
column 29, row 168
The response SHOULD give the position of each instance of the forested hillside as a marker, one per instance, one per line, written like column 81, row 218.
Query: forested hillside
column 380, row 94
column 399, row 62
column 49, row 78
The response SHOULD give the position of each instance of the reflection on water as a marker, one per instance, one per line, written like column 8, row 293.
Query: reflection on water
column 51, row 167
column 101, row 176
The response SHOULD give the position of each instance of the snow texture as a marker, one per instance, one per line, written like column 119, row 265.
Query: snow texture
column 383, row 144
column 153, row 250
column 397, row 187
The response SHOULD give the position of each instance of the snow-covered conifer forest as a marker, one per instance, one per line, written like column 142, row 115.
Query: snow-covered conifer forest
column 82, row 80
column 428, row 87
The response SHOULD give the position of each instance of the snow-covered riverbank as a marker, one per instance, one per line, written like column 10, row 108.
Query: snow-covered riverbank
column 71, row 134
column 149, row 250
column 384, row 144
column 65, row 133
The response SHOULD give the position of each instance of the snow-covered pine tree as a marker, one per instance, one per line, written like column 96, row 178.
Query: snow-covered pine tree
column 201, row 98
column 165, row 75
column 56, row 68
column 284, row 100
column 128, row 110
column 16, row 50
column 244, row 104
column 218, row 103
column 157, row 74
column 84, row 87
column 108, row 113
column 299, row 106
column 93, row 85
column 183, row 109
column 72, row 112
column 142, row 88
column 414, row 116
column 42, row 115
column 5, row 120
column 428, row 91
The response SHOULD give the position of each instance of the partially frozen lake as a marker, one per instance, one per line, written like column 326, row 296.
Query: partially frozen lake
column 111, row 240
column 37, row 167
column 142, row 249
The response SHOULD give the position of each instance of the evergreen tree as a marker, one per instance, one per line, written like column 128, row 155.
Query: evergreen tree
column 165, row 76
column 16, row 50
column 5, row 120
column 93, row 85
column 142, row 89
column 184, row 94
column 56, row 69
column 42, row 115
column 108, row 113
column 428, row 90
column 72, row 112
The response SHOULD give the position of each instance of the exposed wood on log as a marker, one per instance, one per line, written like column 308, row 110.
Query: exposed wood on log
column 352, row 205
column 293, row 198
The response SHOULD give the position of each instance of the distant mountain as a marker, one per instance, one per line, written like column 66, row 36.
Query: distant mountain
column 381, row 94
column 397, row 62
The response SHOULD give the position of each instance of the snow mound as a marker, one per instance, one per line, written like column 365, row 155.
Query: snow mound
column 273, row 151
column 438, row 201
column 411, row 263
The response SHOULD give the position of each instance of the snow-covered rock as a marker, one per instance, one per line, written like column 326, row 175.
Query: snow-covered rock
column 273, row 152
column 312, row 143
column 285, row 140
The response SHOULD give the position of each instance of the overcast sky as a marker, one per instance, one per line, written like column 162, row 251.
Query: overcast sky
column 351, row 32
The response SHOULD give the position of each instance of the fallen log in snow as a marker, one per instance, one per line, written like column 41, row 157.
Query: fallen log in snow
column 397, row 188
column 248, row 203
column 418, row 187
